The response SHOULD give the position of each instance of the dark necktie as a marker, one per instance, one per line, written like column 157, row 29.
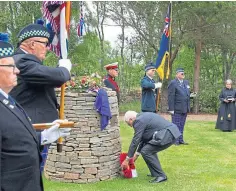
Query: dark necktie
column 13, row 102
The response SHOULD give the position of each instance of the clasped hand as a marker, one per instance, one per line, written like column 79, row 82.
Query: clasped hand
column 54, row 132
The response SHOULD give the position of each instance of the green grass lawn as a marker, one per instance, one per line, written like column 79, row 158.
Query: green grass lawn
column 134, row 105
column 207, row 164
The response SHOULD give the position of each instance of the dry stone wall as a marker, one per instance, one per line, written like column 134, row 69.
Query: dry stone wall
column 89, row 154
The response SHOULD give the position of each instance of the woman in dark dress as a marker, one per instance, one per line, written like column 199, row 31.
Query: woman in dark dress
column 226, row 119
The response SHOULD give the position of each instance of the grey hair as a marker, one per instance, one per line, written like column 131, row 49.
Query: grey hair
column 130, row 115
column 228, row 81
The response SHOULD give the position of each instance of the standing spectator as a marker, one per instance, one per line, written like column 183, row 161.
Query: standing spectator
column 226, row 120
column 36, row 82
column 149, row 89
column 179, row 102
column 109, row 79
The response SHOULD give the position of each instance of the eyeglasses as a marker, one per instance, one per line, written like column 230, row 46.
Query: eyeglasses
column 46, row 44
column 9, row 65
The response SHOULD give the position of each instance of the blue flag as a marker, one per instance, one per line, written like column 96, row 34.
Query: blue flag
column 164, row 45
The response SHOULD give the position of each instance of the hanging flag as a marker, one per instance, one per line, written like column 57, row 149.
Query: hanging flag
column 164, row 45
column 54, row 13
column 81, row 25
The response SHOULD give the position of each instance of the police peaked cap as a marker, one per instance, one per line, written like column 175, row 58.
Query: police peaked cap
column 33, row 30
column 6, row 49
column 149, row 66
column 179, row 70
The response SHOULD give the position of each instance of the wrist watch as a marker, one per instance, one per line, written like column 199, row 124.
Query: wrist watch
column 127, row 158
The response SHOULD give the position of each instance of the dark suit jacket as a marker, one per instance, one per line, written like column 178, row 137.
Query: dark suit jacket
column 179, row 96
column 148, row 95
column 145, row 125
column 35, row 89
column 20, row 156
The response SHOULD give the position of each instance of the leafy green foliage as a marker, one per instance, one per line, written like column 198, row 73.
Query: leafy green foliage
column 212, row 22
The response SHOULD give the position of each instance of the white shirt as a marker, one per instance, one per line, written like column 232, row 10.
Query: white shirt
column 149, row 76
column 24, row 51
column 181, row 81
column 4, row 93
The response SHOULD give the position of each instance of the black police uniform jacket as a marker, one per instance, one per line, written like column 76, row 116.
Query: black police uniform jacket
column 35, row 89
column 20, row 156
column 179, row 96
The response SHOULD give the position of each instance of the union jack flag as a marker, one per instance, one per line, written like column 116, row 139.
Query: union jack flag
column 81, row 24
column 51, row 12
column 167, row 23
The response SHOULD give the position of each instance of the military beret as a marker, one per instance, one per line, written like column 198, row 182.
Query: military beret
column 111, row 66
column 6, row 49
column 33, row 30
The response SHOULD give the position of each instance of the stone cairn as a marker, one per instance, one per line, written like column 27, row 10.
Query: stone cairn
column 89, row 154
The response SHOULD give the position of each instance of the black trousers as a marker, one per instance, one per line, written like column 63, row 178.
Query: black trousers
column 149, row 154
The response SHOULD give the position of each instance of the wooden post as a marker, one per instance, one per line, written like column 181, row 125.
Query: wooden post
column 62, row 100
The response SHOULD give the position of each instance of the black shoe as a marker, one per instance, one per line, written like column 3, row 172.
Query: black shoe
column 183, row 143
column 158, row 179
column 149, row 175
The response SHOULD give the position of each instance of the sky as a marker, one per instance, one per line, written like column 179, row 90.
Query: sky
column 111, row 32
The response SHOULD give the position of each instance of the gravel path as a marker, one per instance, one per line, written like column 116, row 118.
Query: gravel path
column 190, row 117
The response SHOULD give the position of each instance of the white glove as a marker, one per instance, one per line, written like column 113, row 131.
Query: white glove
column 54, row 132
column 66, row 63
column 171, row 112
column 194, row 94
column 158, row 85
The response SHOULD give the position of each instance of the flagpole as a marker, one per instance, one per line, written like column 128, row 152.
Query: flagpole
column 170, row 44
column 64, row 55
column 167, row 73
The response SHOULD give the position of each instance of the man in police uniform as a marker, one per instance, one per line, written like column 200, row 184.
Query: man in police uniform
column 149, row 89
column 152, row 134
column 179, row 102
column 109, row 80
column 19, row 143
column 36, row 82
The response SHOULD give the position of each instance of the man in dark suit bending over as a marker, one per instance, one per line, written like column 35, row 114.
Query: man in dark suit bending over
column 152, row 134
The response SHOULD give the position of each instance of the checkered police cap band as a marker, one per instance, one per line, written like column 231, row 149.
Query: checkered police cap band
column 33, row 33
column 6, row 49
column 33, row 30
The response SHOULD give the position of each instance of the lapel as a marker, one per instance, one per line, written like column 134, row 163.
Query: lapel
column 23, row 118
column 178, row 83
column 150, row 80
column 182, row 87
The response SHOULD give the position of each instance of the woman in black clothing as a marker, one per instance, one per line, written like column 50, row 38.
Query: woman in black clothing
column 226, row 120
